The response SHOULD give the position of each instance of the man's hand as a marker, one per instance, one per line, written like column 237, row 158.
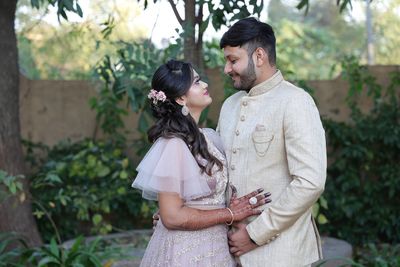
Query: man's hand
column 239, row 241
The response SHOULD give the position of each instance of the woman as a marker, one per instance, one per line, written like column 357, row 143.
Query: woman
column 185, row 170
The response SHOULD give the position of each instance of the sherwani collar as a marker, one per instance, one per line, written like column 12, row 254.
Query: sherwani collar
column 266, row 85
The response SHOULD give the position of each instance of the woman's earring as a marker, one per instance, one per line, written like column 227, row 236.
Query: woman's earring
column 185, row 110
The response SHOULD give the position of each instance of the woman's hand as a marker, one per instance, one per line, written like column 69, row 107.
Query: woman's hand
column 242, row 208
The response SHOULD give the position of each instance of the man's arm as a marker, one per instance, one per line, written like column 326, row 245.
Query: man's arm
column 306, row 155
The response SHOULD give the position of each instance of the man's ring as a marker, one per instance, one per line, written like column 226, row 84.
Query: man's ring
column 253, row 200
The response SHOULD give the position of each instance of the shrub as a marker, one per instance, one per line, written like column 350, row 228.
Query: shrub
column 364, row 178
column 85, row 187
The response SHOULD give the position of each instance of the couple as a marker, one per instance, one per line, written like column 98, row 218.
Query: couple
column 269, row 135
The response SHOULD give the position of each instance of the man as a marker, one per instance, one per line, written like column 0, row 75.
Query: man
column 273, row 139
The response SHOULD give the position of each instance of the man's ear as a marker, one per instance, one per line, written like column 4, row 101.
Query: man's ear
column 261, row 56
column 181, row 100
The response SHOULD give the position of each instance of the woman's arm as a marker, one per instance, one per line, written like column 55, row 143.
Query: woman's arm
column 176, row 216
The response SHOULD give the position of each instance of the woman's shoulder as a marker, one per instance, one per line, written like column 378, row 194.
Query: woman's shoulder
column 214, row 137
column 169, row 141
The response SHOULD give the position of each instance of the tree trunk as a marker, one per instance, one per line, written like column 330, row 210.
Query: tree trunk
column 15, row 212
column 189, row 24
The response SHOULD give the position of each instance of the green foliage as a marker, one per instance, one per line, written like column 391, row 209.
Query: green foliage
column 342, row 4
column 10, row 185
column 317, row 212
column 52, row 255
column 9, row 257
column 304, row 42
column 84, row 187
column 363, row 180
column 63, row 6
column 128, row 76
column 384, row 255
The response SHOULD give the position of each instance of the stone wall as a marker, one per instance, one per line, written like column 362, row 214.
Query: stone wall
column 51, row 111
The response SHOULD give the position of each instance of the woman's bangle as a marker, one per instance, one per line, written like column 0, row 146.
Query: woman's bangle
column 230, row 223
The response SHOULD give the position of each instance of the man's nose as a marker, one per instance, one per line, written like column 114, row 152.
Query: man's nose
column 227, row 68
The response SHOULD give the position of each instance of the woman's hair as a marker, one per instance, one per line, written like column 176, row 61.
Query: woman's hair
column 253, row 33
column 175, row 79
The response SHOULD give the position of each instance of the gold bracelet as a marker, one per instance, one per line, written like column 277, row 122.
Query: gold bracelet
column 231, row 215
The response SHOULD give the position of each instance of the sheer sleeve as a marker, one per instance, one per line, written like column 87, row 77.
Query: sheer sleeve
column 169, row 166
column 215, row 138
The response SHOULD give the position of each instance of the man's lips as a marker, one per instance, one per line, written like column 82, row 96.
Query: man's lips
column 206, row 93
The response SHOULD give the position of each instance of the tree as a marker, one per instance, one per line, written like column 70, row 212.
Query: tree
column 194, row 22
column 15, row 215
column 70, row 50
column 310, row 46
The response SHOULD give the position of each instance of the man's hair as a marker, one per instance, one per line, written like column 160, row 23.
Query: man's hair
column 252, row 33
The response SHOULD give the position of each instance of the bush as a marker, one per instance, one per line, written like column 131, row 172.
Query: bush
column 364, row 179
column 85, row 187
column 53, row 255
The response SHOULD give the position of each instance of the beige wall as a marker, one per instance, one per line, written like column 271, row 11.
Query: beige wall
column 52, row 111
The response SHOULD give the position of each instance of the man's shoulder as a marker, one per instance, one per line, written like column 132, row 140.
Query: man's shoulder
column 288, row 92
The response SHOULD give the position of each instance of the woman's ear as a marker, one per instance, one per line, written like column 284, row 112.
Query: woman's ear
column 181, row 100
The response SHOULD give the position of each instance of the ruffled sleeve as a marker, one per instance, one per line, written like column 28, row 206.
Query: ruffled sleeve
column 169, row 166
column 214, row 137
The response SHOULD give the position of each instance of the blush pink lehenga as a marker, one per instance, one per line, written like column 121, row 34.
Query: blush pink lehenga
column 170, row 167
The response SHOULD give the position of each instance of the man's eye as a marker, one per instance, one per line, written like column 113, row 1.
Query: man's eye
column 233, row 61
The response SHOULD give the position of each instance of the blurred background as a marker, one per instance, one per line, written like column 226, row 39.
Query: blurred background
column 74, row 114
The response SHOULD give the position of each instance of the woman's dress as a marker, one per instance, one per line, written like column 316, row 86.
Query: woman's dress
column 169, row 166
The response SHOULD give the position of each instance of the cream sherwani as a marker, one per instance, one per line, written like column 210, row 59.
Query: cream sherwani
column 274, row 139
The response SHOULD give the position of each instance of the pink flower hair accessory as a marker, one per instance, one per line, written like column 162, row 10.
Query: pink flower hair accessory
column 156, row 96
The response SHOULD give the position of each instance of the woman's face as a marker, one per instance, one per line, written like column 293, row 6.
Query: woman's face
column 197, row 98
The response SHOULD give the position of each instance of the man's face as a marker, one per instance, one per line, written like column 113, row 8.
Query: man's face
column 239, row 67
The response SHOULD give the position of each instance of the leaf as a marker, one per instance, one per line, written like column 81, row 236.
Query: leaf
column 322, row 219
column 54, row 248
column 315, row 210
column 79, row 10
column 38, row 214
column 51, row 177
column 121, row 191
column 123, row 175
column 96, row 219
column 143, row 124
column 323, row 202
column 103, row 171
column 302, row 4
column 35, row 3
column 125, row 163
column 46, row 260
column 13, row 188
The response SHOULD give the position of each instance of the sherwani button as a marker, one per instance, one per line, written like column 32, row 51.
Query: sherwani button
column 237, row 132
column 234, row 151
column 233, row 167
column 242, row 118
column 244, row 103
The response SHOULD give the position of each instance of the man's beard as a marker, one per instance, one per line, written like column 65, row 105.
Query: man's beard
column 247, row 78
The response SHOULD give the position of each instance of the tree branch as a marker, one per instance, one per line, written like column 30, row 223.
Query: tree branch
column 178, row 17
